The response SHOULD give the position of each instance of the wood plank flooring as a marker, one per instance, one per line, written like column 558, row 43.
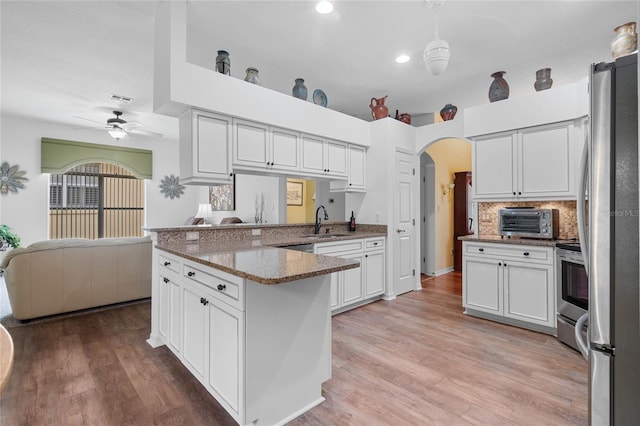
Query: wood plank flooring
column 416, row 360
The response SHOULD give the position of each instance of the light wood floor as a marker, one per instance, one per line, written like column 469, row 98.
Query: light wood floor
column 416, row 360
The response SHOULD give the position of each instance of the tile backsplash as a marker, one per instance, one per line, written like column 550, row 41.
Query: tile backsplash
column 568, row 226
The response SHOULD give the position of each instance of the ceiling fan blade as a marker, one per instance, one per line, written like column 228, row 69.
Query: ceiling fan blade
column 145, row 132
column 88, row 119
column 130, row 125
column 90, row 128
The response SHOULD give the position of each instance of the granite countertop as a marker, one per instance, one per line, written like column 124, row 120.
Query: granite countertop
column 523, row 241
column 263, row 260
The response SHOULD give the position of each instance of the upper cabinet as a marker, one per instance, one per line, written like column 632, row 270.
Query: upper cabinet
column 214, row 146
column 528, row 164
column 260, row 147
column 205, row 148
column 324, row 157
column 356, row 167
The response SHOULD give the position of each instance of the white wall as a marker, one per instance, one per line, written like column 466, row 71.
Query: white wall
column 27, row 211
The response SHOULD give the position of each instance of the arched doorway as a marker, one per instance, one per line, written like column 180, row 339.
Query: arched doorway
column 439, row 159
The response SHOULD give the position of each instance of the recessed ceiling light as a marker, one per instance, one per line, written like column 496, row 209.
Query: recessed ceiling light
column 324, row 7
column 402, row 59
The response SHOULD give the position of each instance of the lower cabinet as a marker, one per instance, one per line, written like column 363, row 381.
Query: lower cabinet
column 511, row 282
column 352, row 287
column 242, row 339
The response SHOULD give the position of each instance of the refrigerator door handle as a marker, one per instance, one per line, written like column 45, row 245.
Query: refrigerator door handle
column 583, row 179
column 600, row 206
column 582, row 344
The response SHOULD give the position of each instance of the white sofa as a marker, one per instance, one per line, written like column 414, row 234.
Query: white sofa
column 55, row 276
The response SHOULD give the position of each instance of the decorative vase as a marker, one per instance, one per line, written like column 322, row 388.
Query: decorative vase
column 299, row 89
column 626, row 40
column 378, row 108
column 448, row 112
column 543, row 79
column 499, row 88
column 405, row 118
column 223, row 63
column 252, row 76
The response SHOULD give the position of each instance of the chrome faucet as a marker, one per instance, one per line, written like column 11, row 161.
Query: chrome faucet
column 316, row 230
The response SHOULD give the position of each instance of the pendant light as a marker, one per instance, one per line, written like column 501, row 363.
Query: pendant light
column 436, row 54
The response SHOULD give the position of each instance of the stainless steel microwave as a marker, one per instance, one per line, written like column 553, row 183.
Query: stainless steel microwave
column 529, row 223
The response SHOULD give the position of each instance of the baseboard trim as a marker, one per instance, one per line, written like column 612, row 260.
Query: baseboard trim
column 443, row 271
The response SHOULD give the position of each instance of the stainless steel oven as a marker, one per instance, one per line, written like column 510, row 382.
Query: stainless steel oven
column 573, row 291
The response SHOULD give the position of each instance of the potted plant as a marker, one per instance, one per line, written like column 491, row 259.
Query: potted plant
column 8, row 238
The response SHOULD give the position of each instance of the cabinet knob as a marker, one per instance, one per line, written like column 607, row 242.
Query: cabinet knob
column 366, row 255
column 349, row 184
column 167, row 263
column 375, row 244
column 190, row 273
column 221, row 287
column 231, row 174
column 505, row 264
column 519, row 193
column 499, row 263
column 480, row 249
column 166, row 280
column 514, row 193
column 526, row 253
column 205, row 302
column 202, row 300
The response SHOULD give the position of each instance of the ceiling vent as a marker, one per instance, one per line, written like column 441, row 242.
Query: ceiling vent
column 121, row 99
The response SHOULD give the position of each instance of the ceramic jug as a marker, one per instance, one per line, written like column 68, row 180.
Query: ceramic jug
column 378, row 109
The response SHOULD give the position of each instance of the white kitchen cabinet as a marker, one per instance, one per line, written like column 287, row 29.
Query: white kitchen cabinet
column 514, row 283
column 323, row 157
column 356, row 169
column 226, row 348
column 258, row 147
column 352, row 281
column 205, row 148
column 533, row 163
column 353, row 287
column 194, row 330
column 234, row 335
column 374, row 273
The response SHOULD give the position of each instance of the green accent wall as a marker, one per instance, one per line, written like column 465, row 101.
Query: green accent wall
column 58, row 156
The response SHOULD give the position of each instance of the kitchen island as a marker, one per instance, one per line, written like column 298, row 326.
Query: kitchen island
column 251, row 322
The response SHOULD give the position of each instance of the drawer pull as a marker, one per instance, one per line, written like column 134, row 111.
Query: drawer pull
column 221, row 287
column 191, row 273
column 375, row 244
column 167, row 263
column 481, row 249
column 526, row 253
column 204, row 301
column 166, row 280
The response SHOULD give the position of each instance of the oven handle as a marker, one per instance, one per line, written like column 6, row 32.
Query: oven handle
column 582, row 345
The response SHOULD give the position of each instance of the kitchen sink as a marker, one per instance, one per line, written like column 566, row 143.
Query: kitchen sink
column 325, row 236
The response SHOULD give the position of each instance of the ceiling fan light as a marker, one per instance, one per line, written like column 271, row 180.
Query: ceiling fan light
column 117, row 133
column 323, row 7
column 436, row 56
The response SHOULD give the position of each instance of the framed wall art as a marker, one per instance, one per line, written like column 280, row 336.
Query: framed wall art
column 294, row 193
column 223, row 197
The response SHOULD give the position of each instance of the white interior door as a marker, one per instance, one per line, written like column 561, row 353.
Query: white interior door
column 404, row 229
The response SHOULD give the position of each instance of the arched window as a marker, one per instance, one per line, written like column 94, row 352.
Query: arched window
column 95, row 200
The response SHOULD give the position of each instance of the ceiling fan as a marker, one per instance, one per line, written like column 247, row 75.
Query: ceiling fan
column 118, row 128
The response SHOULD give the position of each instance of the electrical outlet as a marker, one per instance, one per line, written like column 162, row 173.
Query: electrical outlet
column 377, row 216
column 193, row 236
column 256, row 232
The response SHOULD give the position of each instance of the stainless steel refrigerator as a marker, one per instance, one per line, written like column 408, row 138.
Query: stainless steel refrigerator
column 612, row 245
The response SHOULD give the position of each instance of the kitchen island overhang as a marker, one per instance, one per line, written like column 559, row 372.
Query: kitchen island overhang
column 252, row 323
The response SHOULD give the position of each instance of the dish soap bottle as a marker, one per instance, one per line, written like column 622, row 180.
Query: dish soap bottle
column 352, row 223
